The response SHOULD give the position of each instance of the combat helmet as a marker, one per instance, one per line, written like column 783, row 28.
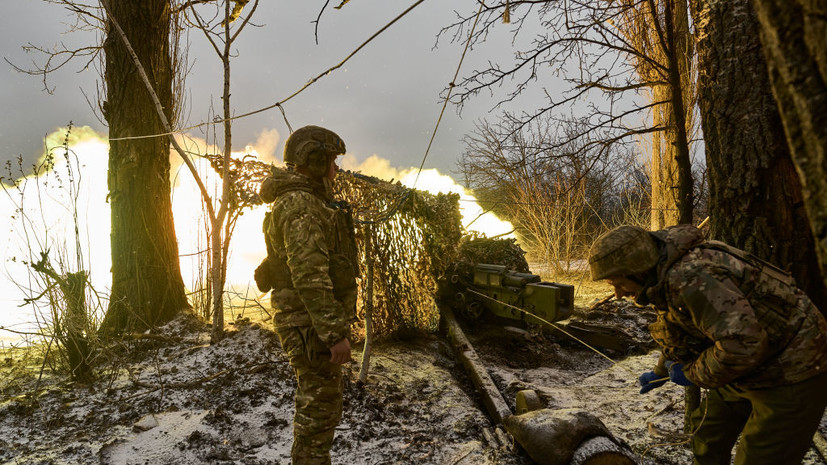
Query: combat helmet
column 623, row 251
column 312, row 146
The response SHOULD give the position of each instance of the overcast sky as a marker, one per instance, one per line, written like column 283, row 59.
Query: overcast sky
column 384, row 101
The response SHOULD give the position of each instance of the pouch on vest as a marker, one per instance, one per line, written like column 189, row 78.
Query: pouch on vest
column 262, row 276
column 344, row 259
column 272, row 273
column 345, row 237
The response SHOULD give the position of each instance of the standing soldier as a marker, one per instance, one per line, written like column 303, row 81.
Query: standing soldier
column 731, row 323
column 311, row 268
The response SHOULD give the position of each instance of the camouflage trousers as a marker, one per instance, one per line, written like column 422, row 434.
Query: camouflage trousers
column 776, row 425
column 318, row 396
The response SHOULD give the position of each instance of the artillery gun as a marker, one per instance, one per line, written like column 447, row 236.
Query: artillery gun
column 549, row 436
column 507, row 294
column 490, row 291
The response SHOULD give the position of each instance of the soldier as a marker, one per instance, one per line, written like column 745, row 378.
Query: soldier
column 311, row 268
column 731, row 323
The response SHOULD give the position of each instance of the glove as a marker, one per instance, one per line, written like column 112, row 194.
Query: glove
column 649, row 381
column 676, row 373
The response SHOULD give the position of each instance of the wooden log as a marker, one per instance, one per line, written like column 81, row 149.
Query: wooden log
column 601, row 450
column 492, row 399
column 556, row 437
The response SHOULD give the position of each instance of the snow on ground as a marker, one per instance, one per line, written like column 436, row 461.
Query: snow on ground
column 173, row 398
column 184, row 401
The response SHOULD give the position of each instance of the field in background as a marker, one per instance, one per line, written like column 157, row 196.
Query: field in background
column 586, row 291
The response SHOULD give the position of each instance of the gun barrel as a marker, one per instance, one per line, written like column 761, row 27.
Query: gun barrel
column 514, row 279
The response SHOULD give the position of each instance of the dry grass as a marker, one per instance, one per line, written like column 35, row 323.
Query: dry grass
column 586, row 291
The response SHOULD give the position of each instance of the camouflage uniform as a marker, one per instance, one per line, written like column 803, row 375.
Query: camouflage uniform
column 745, row 331
column 311, row 259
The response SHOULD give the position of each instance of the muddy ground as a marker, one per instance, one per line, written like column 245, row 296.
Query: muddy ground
column 173, row 398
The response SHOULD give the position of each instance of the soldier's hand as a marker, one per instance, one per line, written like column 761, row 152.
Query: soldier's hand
column 676, row 373
column 340, row 352
column 649, row 381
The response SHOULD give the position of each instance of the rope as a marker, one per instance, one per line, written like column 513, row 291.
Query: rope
column 451, row 86
column 557, row 327
column 685, row 441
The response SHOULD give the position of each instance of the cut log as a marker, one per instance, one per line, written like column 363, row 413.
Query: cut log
column 554, row 437
column 601, row 450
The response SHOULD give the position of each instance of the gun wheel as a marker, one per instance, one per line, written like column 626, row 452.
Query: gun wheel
column 473, row 310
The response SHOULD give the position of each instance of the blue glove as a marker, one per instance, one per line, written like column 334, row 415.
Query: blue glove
column 676, row 373
column 649, row 381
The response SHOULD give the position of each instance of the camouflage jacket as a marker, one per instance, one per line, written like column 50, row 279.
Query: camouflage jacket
column 732, row 318
column 312, row 255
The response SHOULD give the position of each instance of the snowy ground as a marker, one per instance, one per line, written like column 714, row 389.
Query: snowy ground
column 184, row 401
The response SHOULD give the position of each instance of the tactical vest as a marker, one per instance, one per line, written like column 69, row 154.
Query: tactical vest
column 274, row 274
column 772, row 293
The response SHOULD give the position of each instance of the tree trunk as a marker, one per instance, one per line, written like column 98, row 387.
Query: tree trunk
column 794, row 37
column 677, row 32
column 755, row 194
column 672, row 183
column 664, row 179
column 219, row 243
column 147, row 288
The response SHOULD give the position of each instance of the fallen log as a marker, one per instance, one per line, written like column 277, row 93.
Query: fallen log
column 492, row 399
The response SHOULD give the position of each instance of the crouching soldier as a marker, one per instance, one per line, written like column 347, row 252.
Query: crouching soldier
column 311, row 268
column 731, row 323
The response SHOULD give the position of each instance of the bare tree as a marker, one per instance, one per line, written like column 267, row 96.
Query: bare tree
column 667, row 40
column 142, row 75
column 627, row 68
column 221, row 36
column 557, row 200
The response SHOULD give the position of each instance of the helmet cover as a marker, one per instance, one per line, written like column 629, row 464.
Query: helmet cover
column 622, row 251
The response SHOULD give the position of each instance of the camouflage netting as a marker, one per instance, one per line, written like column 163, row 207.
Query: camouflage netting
column 500, row 251
column 414, row 237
